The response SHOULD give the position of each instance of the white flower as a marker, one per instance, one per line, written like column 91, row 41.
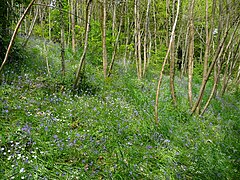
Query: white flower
column 22, row 170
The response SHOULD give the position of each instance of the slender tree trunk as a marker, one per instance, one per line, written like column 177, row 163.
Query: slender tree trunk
column 155, row 27
column 208, row 42
column 104, row 48
column 62, row 37
column 73, row 4
column 15, row 33
column 115, row 49
column 87, row 28
column 149, row 48
column 185, row 53
column 136, row 37
column 49, row 24
column 229, row 55
column 172, row 63
column 139, row 39
column 217, row 66
column 113, row 21
column 31, row 28
column 25, row 26
column 46, row 58
column 237, row 78
column 145, row 60
column 164, row 63
column 127, row 24
column 214, row 86
column 208, row 45
column 191, row 53
column 168, row 20
column 205, row 79
column 227, row 74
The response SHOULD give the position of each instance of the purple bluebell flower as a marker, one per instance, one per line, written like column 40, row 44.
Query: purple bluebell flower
column 149, row 147
column 27, row 129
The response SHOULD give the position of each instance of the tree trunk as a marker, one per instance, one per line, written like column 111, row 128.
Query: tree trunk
column 62, row 37
column 115, row 49
column 31, row 28
column 113, row 21
column 185, row 53
column 15, row 33
column 205, row 79
column 168, row 20
column 227, row 73
column 73, row 4
column 49, row 24
column 46, row 58
column 155, row 27
column 104, row 48
column 139, row 39
column 127, row 24
column 191, row 53
column 172, row 63
column 136, row 37
column 145, row 60
column 164, row 63
column 214, row 85
column 87, row 28
column 208, row 44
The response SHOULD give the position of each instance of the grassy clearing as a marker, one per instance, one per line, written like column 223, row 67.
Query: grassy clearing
column 107, row 131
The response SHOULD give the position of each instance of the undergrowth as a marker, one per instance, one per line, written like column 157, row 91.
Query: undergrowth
column 107, row 130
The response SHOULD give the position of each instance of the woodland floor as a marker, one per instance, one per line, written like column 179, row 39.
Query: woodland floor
column 107, row 129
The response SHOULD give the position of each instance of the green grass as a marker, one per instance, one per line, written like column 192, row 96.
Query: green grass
column 107, row 131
